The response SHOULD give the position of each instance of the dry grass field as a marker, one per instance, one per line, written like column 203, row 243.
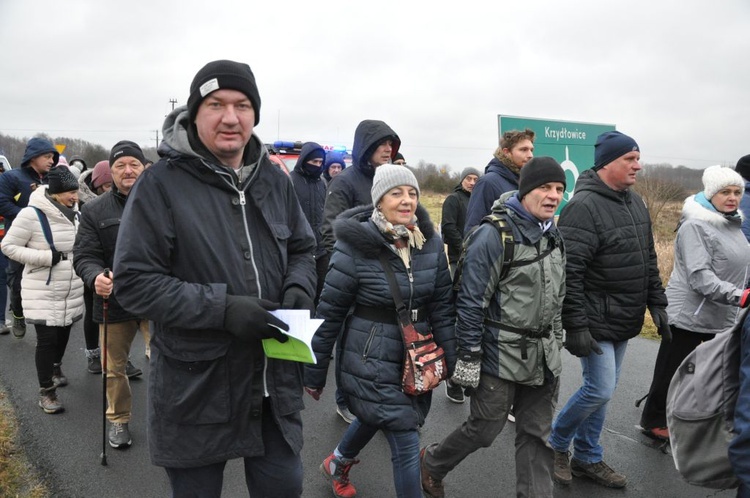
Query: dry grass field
column 664, row 235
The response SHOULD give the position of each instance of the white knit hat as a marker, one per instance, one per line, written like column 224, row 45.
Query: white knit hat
column 388, row 176
column 717, row 177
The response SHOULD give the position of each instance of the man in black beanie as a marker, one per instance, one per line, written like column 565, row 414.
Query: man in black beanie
column 612, row 277
column 509, row 332
column 743, row 168
column 212, row 240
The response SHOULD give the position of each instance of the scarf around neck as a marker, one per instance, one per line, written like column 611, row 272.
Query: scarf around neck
column 403, row 237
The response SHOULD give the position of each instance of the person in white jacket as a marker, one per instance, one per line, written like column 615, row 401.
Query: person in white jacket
column 50, row 288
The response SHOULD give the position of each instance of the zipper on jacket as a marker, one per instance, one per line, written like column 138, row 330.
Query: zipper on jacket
column 368, row 343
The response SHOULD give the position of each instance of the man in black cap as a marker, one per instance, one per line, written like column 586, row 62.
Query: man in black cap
column 15, row 189
column 94, row 252
column 612, row 277
column 212, row 240
column 509, row 332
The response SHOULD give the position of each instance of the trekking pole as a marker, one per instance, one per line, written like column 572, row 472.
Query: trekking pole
column 105, row 312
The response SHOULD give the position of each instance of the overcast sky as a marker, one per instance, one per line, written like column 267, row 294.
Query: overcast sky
column 673, row 74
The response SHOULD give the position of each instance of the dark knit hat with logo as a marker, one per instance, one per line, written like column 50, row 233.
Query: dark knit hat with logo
column 610, row 145
column 61, row 180
column 126, row 148
column 537, row 172
column 743, row 167
column 223, row 74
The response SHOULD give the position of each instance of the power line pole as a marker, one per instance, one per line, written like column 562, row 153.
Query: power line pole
column 157, row 138
column 173, row 102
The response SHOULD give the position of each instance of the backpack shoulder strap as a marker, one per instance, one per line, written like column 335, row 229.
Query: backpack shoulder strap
column 45, row 227
column 505, row 231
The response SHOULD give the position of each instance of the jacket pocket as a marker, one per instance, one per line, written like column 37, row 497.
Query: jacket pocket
column 518, row 358
column 192, row 381
column 281, row 234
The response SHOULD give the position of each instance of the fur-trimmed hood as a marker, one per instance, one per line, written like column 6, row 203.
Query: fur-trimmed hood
column 693, row 210
column 354, row 227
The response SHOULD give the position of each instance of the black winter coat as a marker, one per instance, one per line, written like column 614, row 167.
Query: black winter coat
column 191, row 234
column 373, row 351
column 611, row 270
column 311, row 192
column 454, row 220
column 95, row 248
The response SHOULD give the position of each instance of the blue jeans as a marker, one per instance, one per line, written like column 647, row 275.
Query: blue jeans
column 404, row 454
column 582, row 418
column 3, row 287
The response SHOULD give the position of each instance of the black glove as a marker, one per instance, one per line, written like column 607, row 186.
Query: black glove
column 295, row 298
column 56, row 257
column 661, row 320
column 247, row 318
column 580, row 343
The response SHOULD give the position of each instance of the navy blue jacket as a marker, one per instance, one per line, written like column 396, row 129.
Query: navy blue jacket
column 16, row 184
column 497, row 180
column 311, row 192
column 739, row 448
column 373, row 351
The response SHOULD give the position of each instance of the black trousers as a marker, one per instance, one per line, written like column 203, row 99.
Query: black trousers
column 90, row 328
column 668, row 360
column 50, row 348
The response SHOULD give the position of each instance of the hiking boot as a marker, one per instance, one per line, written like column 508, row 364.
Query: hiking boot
column 454, row 392
column 58, row 377
column 49, row 402
column 337, row 470
column 94, row 365
column 19, row 326
column 511, row 416
column 562, row 468
column 119, row 435
column 599, row 472
column 4, row 329
column 660, row 433
column 132, row 371
column 431, row 486
column 344, row 413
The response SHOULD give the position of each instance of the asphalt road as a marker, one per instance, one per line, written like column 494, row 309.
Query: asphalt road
column 67, row 447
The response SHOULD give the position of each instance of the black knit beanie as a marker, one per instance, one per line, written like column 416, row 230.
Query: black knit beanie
column 61, row 180
column 219, row 75
column 537, row 172
column 126, row 148
column 743, row 167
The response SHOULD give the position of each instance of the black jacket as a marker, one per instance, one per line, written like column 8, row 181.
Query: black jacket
column 95, row 248
column 311, row 192
column 191, row 234
column 611, row 270
column 351, row 187
column 454, row 219
column 372, row 357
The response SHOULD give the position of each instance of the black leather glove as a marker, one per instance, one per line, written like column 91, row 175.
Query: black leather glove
column 661, row 320
column 56, row 257
column 580, row 343
column 295, row 298
column 247, row 318
column 468, row 369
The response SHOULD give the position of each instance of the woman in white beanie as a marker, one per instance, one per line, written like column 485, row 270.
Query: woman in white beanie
column 372, row 353
column 708, row 283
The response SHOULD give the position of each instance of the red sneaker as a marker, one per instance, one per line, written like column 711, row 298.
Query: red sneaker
column 337, row 470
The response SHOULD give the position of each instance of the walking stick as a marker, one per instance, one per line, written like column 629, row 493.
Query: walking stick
column 105, row 312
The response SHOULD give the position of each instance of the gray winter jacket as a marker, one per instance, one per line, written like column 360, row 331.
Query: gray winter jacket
column 711, row 270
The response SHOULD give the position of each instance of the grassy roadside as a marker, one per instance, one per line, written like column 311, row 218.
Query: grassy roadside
column 17, row 477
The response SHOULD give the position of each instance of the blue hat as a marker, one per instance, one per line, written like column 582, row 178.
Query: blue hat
column 610, row 145
column 37, row 147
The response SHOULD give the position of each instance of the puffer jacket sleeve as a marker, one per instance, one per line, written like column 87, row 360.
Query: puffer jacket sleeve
column 8, row 188
column 581, row 243
column 442, row 312
column 88, row 250
column 481, row 274
column 339, row 294
column 656, row 294
column 19, row 235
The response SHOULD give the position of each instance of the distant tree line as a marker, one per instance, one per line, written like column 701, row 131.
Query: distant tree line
column 13, row 148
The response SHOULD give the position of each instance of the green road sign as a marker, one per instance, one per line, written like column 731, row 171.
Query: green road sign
column 569, row 142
